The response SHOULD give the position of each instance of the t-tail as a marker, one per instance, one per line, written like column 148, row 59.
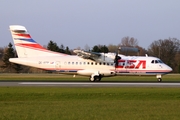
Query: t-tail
column 26, row 46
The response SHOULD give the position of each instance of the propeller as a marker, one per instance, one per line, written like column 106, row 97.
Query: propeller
column 116, row 59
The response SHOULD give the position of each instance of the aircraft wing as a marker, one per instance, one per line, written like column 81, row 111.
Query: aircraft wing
column 89, row 55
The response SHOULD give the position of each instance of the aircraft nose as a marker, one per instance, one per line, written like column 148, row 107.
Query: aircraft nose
column 169, row 69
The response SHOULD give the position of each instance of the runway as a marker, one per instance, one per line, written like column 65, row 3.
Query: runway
column 90, row 84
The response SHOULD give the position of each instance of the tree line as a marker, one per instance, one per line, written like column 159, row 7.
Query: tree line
column 168, row 50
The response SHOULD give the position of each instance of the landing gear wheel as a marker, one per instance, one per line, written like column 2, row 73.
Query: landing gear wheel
column 159, row 79
column 97, row 78
column 91, row 79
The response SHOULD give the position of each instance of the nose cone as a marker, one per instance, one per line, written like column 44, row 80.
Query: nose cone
column 169, row 69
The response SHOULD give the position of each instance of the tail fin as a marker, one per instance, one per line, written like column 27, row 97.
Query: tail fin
column 26, row 46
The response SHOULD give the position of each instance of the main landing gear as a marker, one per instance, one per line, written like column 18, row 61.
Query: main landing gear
column 96, row 77
column 159, row 79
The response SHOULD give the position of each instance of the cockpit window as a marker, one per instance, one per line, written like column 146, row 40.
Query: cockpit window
column 152, row 61
column 160, row 61
column 156, row 61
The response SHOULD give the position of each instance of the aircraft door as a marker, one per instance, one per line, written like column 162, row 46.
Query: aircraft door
column 58, row 65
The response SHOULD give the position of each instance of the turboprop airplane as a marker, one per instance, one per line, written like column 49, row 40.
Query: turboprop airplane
column 91, row 64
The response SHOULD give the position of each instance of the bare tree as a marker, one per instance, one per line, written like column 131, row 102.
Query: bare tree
column 165, row 49
column 113, row 48
column 142, row 51
column 1, row 52
column 86, row 48
column 128, row 45
column 129, row 42
column 177, row 62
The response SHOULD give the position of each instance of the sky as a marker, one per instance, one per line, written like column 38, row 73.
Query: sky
column 77, row 23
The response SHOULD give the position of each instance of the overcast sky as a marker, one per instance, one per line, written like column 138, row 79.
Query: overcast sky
column 76, row 23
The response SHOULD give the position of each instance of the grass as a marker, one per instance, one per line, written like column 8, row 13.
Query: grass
column 44, row 103
column 65, row 103
column 60, row 77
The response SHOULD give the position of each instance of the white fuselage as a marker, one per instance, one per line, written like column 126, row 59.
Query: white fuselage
column 77, row 65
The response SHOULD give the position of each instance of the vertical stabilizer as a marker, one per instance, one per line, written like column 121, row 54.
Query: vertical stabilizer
column 26, row 46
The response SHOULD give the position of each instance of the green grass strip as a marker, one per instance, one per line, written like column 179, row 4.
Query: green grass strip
column 52, row 103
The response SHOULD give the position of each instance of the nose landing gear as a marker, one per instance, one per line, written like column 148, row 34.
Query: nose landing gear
column 159, row 79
